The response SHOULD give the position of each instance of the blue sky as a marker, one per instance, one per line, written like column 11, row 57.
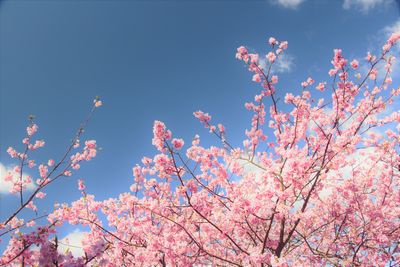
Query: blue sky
column 159, row 60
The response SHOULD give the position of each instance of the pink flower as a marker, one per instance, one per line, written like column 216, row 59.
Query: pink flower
column 146, row 161
column 192, row 186
column 394, row 38
column 388, row 80
column 32, row 129
column 31, row 223
column 50, row 162
column 40, row 195
column 221, row 128
column 17, row 169
column 386, row 47
column 242, row 54
column 90, row 144
column 43, row 170
column 308, row 82
column 138, row 174
column 289, row 98
column 196, row 140
column 354, row 64
column 177, row 143
column 160, row 135
column 76, row 143
column 81, row 185
column 98, row 103
column 223, row 199
column 332, row 72
column 242, row 50
column 31, row 163
column 370, row 57
column 373, row 74
column 274, row 79
column 272, row 41
column 8, row 177
column 253, row 58
column 320, row 87
column 271, row 57
column 256, row 78
column 31, row 206
column 283, row 45
column 203, row 117
column 306, row 94
column 339, row 62
column 12, row 152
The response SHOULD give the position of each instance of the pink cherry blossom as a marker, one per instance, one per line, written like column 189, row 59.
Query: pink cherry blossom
column 315, row 182
column 271, row 57
column 321, row 87
column 40, row 195
column 354, row 64
column 81, row 185
column 32, row 129
column 98, row 103
column 254, row 58
column 272, row 41
column 274, row 79
column 256, row 78
column 370, row 57
column 43, row 170
column 203, row 117
column 308, row 82
column 177, row 143
column 284, row 45
column 12, row 152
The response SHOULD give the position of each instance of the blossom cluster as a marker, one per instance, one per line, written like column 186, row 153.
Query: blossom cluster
column 316, row 182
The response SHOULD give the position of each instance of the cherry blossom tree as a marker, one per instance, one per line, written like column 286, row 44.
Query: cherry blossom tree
column 316, row 184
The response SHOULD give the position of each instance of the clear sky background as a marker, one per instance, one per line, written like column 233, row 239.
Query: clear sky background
column 157, row 60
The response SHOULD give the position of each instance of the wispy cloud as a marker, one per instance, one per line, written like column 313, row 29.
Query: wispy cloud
column 395, row 27
column 365, row 6
column 284, row 64
column 292, row 4
column 5, row 186
column 361, row 160
column 73, row 243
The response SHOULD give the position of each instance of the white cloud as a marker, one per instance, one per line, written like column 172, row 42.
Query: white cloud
column 395, row 27
column 361, row 160
column 5, row 186
column 73, row 243
column 365, row 6
column 293, row 4
column 252, row 169
column 283, row 64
